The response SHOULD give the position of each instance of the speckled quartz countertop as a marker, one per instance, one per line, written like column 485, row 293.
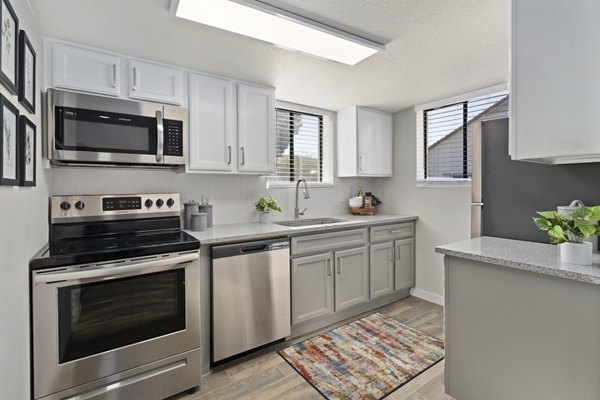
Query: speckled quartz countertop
column 230, row 233
column 527, row 256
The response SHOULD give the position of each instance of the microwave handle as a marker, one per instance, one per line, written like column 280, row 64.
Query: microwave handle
column 160, row 136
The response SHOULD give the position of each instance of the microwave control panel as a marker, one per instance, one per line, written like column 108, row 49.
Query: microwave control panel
column 173, row 138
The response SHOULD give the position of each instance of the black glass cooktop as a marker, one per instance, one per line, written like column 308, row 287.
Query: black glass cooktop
column 112, row 247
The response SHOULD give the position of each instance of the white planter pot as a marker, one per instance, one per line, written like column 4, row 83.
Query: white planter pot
column 264, row 217
column 576, row 253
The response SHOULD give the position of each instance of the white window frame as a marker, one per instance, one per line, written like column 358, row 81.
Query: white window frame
column 328, row 134
column 445, row 182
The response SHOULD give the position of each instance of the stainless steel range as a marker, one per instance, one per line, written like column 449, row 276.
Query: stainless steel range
column 115, row 300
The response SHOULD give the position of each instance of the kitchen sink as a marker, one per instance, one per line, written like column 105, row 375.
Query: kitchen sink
column 297, row 223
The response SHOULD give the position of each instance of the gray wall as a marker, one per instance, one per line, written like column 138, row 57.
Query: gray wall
column 23, row 222
column 443, row 211
column 233, row 195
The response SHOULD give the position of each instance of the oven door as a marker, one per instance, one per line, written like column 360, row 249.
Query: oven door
column 92, row 322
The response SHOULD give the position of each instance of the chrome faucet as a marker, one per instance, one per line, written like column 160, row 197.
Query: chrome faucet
column 297, row 212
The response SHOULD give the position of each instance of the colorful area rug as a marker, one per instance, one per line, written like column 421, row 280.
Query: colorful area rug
column 365, row 360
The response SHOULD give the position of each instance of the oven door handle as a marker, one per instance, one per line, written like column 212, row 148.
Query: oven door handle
column 160, row 136
column 109, row 271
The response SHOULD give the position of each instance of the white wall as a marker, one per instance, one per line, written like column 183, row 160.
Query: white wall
column 443, row 212
column 233, row 195
column 23, row 231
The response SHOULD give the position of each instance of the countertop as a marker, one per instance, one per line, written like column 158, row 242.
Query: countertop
column 230, row 233
column 526, row 256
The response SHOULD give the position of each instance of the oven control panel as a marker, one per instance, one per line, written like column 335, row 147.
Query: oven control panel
column 106, row 207
column 121, row 203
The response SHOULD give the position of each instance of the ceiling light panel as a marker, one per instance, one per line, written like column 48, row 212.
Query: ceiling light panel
column 284, row 29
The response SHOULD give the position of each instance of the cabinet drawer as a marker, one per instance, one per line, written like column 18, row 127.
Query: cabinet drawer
column 325, row 242
column 391, row 232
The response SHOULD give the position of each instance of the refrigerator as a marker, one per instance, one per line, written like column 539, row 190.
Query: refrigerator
column 507, row 193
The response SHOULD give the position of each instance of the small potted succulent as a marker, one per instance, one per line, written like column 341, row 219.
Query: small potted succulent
column 265, row 205
column 569, row 229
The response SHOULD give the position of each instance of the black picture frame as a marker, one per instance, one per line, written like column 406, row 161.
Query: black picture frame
column 27, row 152
column 9, row 154
column 9, row 38
column 27, row 79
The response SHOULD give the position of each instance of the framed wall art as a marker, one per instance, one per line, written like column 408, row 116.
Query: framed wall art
column 8, row 46
column 26, row 150
column 26, row 72
column 9, row 163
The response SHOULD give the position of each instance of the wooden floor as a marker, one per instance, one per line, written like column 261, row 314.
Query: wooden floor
column 265, row 375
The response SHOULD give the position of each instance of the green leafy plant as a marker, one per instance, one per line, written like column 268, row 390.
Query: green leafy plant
column 267, row 204
column 569, row 227
column 375, row 200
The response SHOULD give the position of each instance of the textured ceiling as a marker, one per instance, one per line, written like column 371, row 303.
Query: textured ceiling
column 434, row 48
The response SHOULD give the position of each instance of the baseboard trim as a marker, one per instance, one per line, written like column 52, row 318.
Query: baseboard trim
column 425, row 295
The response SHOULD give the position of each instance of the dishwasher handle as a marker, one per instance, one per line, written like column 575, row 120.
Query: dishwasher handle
column 248, row 248
column 254, row 248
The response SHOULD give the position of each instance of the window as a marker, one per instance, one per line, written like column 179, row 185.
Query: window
column 444, row 136
column 302, row 145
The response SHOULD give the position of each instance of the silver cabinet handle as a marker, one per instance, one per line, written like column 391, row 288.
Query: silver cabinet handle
column 134, row 85
column 395, row 231
column 362, row 162
column 114, row 75
column 243, row 155
column 160, row 136
column 339, row 265
column 113, row 270
column 398, row 253
column 329, row 267
column 228, row 154
column 393, row 256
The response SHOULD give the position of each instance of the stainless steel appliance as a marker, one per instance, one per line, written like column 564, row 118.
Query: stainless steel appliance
column 115, row 300
column 507, row 193
column 250, row 296
column 88, row 129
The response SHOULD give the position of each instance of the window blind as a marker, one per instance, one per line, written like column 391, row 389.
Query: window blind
column 299, row 146
column 444, row 137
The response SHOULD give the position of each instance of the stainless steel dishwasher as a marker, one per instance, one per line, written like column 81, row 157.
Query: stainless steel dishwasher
column 250, row 296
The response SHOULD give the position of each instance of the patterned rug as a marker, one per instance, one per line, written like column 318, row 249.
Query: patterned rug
column 365, row 360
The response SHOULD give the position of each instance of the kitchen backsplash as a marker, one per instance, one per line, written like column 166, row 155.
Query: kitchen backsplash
column 233, row 195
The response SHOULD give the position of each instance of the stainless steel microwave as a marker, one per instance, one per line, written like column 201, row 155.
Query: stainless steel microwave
column 88, row 129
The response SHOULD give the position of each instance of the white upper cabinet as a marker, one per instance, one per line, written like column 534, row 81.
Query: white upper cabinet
column 100, row 72
column 228, row 135
column 211, row 123
column 364, row 142
column 87, row 70
column 154, row 82
column 555, row 85
column 256, row 129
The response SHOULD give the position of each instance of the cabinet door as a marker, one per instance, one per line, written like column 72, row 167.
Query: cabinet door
column 154, row 82
column 554, row 89
column 256, row 125
column 381, row 269
column 351, row 278
column 312, row 287
column 211, row 123
column 87, row 70
column 374, row 129
column 404, row 269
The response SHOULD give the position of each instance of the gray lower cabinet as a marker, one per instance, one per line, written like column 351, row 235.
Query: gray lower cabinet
column 312, row 287
column 325, row 283
column 351, row 278
column 382, row 269
column 404, row 264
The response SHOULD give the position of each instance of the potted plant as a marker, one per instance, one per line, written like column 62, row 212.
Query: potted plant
column 568, row 230
column 265, row 205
